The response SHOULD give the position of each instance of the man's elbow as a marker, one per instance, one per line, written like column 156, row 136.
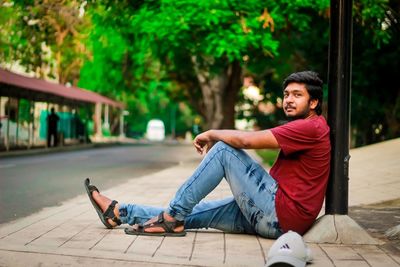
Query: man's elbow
column 245, row 144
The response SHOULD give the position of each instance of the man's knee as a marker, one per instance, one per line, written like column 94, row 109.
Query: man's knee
column 225, row 149
column 222, row 145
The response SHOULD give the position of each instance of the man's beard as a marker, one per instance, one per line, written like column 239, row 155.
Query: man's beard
column 302, row 115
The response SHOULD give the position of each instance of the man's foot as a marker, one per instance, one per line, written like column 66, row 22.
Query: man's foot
column 158, row 229
column 162, row 225
column 107, row 209
column 104, row 202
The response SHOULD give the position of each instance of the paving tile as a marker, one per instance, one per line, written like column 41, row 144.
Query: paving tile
column 87, row 238
column 243, row 250
column 320, row 258
column 176, row 247
column 338, row 252
column 18, row 225
column 20, row 259
column 395, row 257
column 64, row 232
column 344, row 256
column 208, row 247
column 375, row 256
column 115, row 241
column 145, row 246
column 36, row 230
column 351, row 263
column 265, row 244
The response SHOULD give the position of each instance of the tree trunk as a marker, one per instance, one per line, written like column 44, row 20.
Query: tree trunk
column 219, row 95
column 392, row 118
column 231, row 91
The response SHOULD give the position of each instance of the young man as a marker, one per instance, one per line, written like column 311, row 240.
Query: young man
column 269, row 204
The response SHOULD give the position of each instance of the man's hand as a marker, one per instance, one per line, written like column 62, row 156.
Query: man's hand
column 203, row 142
column 237, row 139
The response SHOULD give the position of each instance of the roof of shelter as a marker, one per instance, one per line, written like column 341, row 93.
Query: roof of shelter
column 16, row 85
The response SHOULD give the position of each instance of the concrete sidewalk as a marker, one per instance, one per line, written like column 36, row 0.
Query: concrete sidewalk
column 71, row 234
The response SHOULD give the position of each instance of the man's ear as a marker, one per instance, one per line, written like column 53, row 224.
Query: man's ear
column 313, row 104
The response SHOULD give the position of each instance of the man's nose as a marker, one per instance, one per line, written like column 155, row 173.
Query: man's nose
column 289, row 98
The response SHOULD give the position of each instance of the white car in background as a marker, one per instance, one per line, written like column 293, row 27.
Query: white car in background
column 155, row 130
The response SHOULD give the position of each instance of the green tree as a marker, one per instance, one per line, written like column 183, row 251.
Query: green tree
column 202, row 46
column 9, row 37
column 45, row 37
column 206, row 44
column 375, row 91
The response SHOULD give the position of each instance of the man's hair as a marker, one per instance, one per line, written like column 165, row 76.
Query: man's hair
column 312, row 83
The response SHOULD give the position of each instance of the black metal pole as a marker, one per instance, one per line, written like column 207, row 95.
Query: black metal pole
column 339, row 83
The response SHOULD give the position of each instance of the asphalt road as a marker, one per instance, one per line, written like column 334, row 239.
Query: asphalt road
column 30, row 183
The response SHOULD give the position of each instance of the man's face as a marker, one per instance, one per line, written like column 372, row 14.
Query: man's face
column 297, row 103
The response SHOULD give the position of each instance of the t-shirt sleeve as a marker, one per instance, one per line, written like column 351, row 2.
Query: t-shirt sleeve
column 295, row 136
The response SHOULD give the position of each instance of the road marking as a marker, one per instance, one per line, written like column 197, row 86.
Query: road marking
column 7, row 166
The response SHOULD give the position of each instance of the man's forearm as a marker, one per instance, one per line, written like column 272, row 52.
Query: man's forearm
column 231, row 137
column 245, row 139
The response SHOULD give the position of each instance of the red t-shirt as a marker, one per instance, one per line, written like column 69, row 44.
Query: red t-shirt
column 302, row 171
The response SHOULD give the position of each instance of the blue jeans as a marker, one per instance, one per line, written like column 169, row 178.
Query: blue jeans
column 251, row 209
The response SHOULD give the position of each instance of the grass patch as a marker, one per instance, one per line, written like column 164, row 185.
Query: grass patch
column 268, row 155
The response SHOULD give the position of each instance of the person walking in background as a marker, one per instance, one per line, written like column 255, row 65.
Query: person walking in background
column 52, row 123
column 288, row 198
